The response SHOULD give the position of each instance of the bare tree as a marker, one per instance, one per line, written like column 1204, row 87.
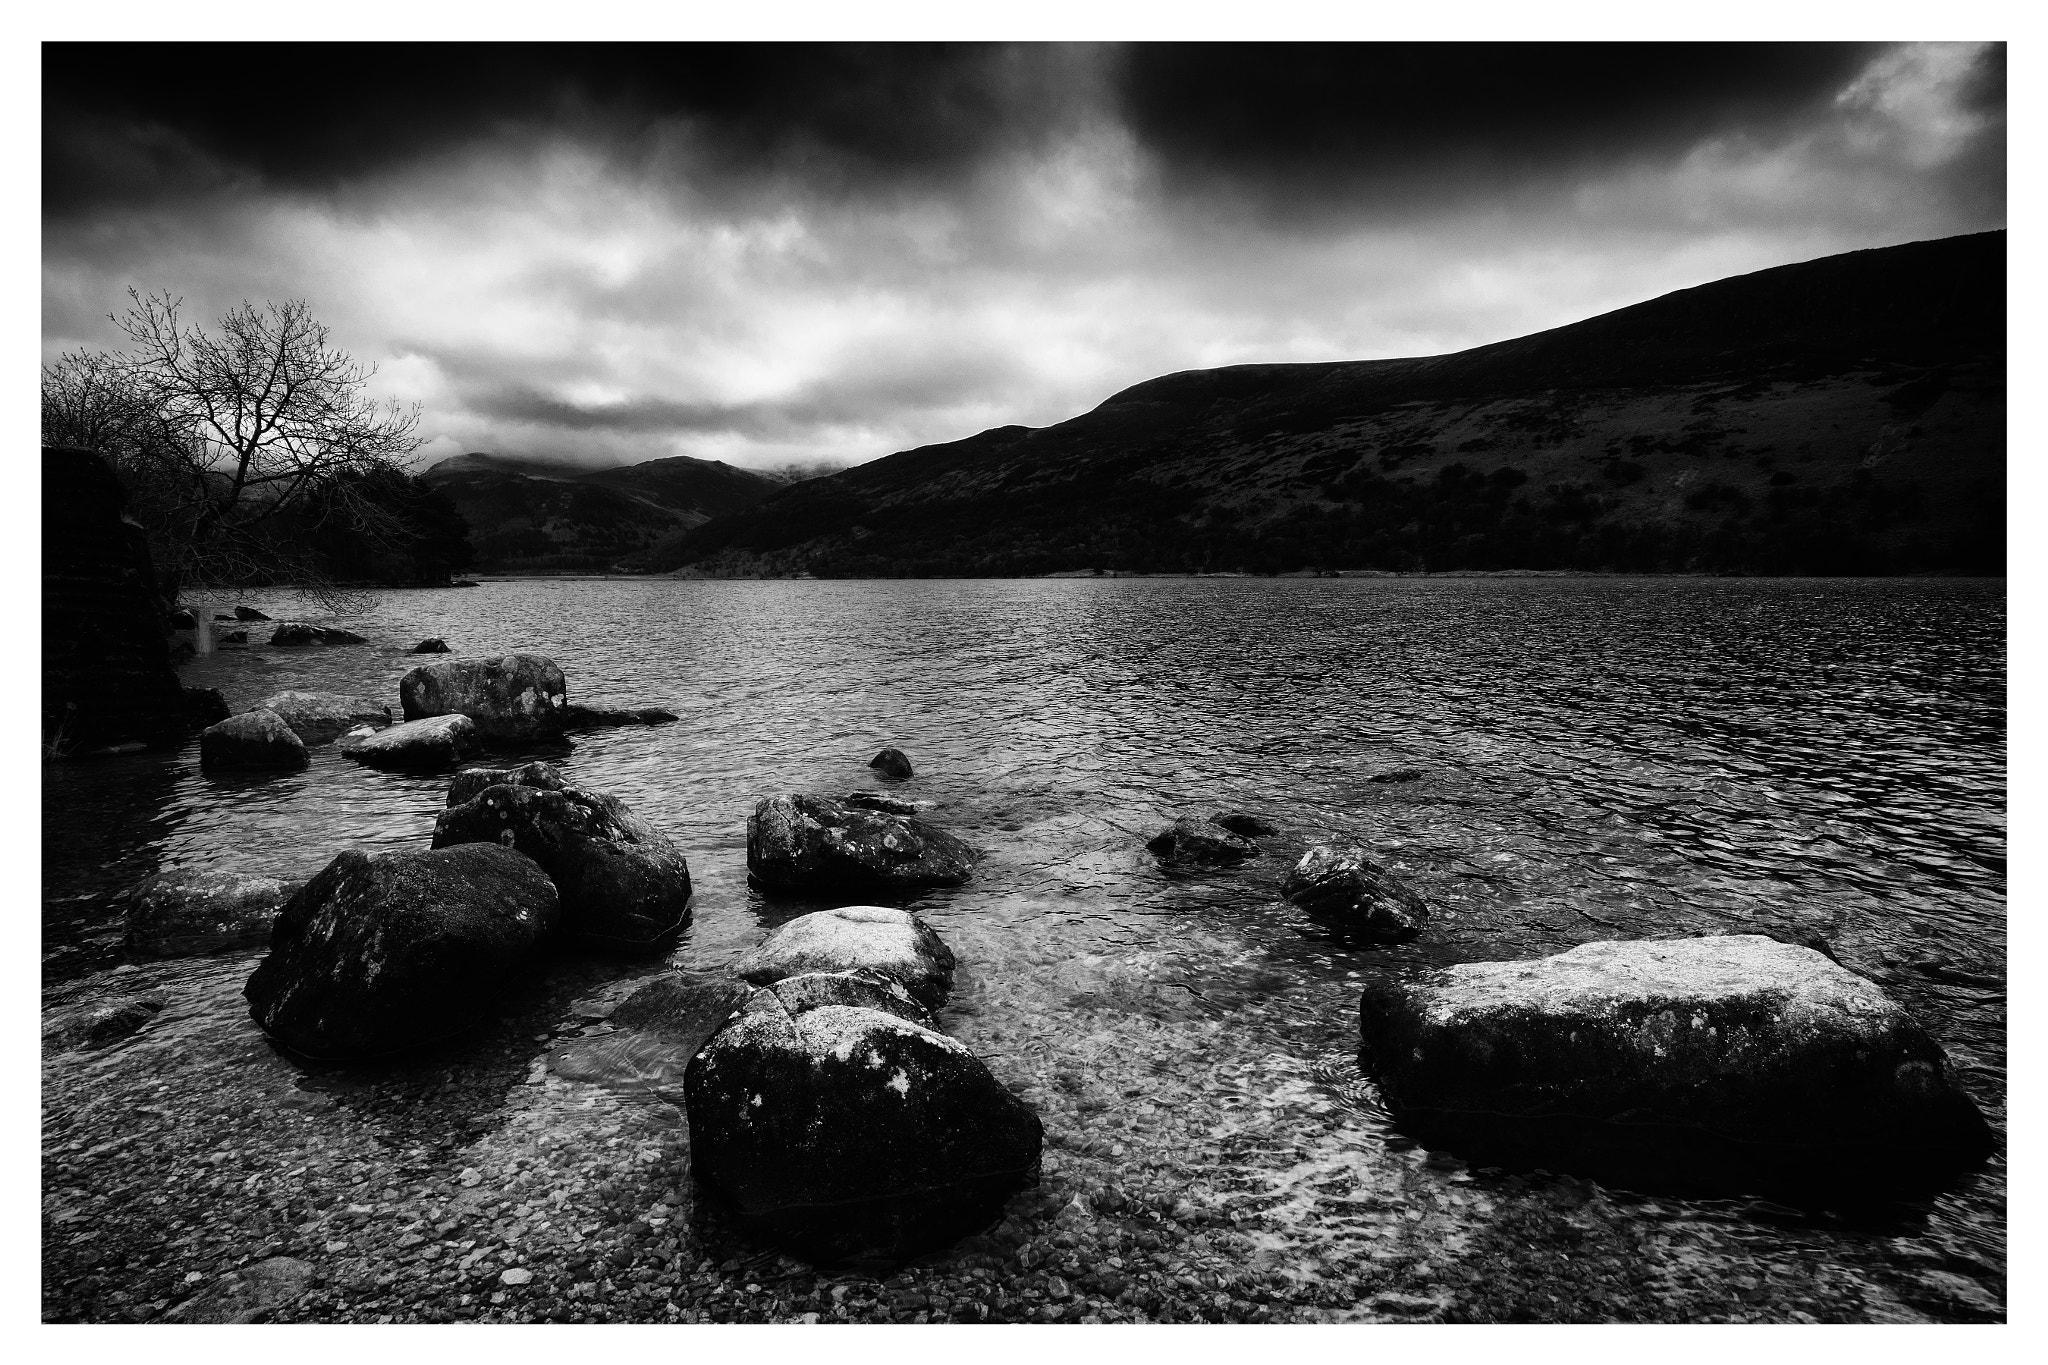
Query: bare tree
column 230, row 441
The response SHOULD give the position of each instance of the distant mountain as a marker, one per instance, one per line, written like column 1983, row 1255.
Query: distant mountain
column 1844, row 415
column 538, row 516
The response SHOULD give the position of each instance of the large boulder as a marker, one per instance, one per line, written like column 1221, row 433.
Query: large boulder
column 1741, row 1037
column 848, row 1132
column 1348, row 889
column 416, row 746
column 513, row 696
column 1203, row 845
column 810, row 843
column 869, row 938
column 389, row 953
column 322, row 717
column 622, row 883
column 189, row 912
column 468, row 784
column 255, row 740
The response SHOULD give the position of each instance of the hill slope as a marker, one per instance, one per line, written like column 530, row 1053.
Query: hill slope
column 1844, row 415
column 537, row 516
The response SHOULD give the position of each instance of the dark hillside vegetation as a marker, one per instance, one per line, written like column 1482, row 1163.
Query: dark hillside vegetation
column 1840, row 416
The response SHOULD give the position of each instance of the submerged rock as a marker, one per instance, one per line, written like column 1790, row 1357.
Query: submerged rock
column 1344, row 886
column 891, row 763
column 1188, row 841
column 656, row 1030
column 870, row 938
column 416, row 746
column 1398, row 775
column 809, row 843
column 622, row 882
column 602, row 717
column 849, row 1132
column 512, row 696
column 101, row 1022
column 297, row 633
column 258, row 740
column 389, row 953
column 189, row 912
column 888, row 805
column 249, row 614
column 436, row 645
column 1244, row 826
column 322, row 717
column 251, row 1294
column 234, row 637
column 1740, row 1036
column 468, row 784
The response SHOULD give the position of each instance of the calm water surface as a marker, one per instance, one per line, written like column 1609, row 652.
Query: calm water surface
column 1605, row 758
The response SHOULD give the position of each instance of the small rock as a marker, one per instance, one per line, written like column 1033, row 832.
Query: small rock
column 297, row 633
column 809, row 843
column 249, row 614
column 416, row 746
column 188, row 912
column 1398, row 775
column 234, row 637
column 516, row 1276
column 471, row 1177
column 1244, row 826
column 258, row 740
column 891, row 763
column 101, row 1023
column 888, row 805
column 436, row 645
column 320, row 717
column 1203, row 845
column 1343, row 885
column 876, row 938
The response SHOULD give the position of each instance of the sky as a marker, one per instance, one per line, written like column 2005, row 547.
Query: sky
column 768, row 255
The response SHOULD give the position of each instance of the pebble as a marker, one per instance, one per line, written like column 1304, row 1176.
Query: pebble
column 516, row 1276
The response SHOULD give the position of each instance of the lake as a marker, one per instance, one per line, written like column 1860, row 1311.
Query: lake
column 1598, row 758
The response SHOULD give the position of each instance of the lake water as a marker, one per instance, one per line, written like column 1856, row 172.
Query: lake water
column 1599, row 758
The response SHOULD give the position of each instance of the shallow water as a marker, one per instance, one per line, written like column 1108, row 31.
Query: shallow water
column 1599, row 758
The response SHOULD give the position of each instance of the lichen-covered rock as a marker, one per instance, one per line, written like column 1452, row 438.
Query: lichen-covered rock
column 322, row 717
column 416, row 746
column 1740, row 1036
column 848, row 1132
column 512, row 696
column 188, row 912
column 623, row 883
column 101, row 1022
column 435, row 645
column 576, row 717
column 297, row 633
column 468, row 784
column 809, row 843
column 1347, row 888
column 1192, row 842
column 389, row 953
column 1244, row 826
column 891, row 763
column 860, row 988
column 254, row 740
column 872, row 938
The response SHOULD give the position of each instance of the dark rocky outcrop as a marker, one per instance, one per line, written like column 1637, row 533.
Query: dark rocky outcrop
column 205, row 706
column 1193, row 843
column 856, row 938
column 512, row 696
column 576, row 717
column 107, row 676
column 810, row 843
column 1348, row 889
column 468, row 784
column 845, row 1132
column 622, row 883
column 891, row 763
column 189, row 912
column 888, row 805
column 249, row 614
column 436, row 645
column 252, row 740
column 1741, row 1036
column 322, row 717
column 389, row 953
column 416, row 746
column 101, row 1022
column 1244, row 826
column 297, row 633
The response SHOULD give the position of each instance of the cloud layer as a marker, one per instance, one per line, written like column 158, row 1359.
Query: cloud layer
column 763, row 255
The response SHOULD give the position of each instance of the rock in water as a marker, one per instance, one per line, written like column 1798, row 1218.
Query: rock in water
column 416, row 746
column 888, row 805
column 514, row 696
column 436, row 645
column 206, row 706
column 845, row 1132
column 252, row 740
column 1741, row 1036
column 251, row 1294
column 192, row 911
column 861, row 988
column 1350, row 890
column 606, row 717
column 249, row 614
column 297, row 633
column 868, row 938
column 1244, row 826
column 322, row 717
column 468, row 784
column 891, row 763
column 389, row 953
column 622, row 883
column 1205, row 845
column 809, row 843
column 102, row 1022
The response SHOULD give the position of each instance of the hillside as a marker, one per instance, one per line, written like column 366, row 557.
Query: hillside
column 1844, row 415
column 537, row 517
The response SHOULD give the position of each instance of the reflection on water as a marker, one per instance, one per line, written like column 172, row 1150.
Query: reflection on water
column 1599, row 758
